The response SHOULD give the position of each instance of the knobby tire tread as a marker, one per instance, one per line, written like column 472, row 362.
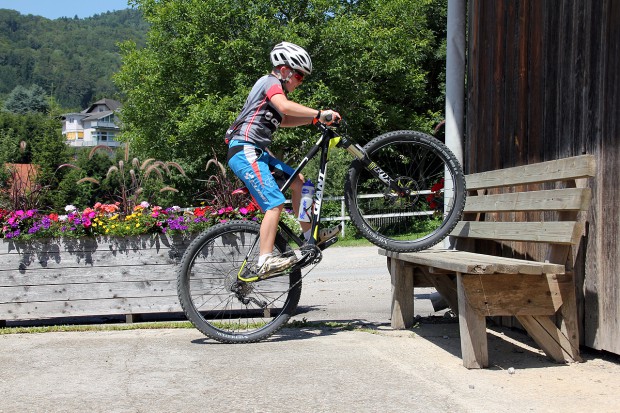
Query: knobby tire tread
column 438, row 148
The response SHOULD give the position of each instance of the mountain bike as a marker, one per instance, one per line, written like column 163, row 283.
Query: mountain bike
column 405, row 191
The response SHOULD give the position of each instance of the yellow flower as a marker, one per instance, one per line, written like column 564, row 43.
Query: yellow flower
column 137, row 225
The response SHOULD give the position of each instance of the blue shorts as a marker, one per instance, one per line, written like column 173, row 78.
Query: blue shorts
column 254, row 167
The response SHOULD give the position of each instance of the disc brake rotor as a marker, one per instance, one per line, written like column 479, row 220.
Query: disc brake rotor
column 409, row 194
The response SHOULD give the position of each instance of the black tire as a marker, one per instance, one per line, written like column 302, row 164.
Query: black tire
column 208, row 275
column 412, row 222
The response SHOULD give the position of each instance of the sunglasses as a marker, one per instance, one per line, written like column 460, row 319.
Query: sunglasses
column 298, row 76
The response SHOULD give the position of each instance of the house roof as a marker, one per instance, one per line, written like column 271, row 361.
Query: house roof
column 111, row 104
column 88, row 114
column 98, row 115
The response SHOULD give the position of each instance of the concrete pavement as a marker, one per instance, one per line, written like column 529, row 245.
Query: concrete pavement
column 307, row 369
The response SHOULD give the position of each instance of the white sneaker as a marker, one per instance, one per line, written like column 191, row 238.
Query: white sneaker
column 276, row 264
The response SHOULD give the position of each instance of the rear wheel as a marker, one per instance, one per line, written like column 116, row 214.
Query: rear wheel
column 431, row 199
column 217, row 302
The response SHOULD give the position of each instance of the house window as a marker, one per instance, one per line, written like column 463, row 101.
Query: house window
column 104, row 136
column 71, row 136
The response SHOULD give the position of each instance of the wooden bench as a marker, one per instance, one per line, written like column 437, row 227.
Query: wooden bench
column 511, row 255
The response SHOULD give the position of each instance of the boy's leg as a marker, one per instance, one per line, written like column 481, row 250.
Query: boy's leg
column 268, row 230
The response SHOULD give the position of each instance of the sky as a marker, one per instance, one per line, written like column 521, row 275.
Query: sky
column 53, row 9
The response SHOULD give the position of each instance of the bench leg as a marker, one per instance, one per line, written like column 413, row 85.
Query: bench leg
column 570, row 323
column 402, row 294
column 550, row 339
column 473, row 330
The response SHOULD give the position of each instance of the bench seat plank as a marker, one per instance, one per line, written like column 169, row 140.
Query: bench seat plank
column 568, row 199
column 583, row 166
column 555, row 232
column 472, row 263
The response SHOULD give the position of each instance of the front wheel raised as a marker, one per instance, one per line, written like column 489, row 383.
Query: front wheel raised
column 430, row 203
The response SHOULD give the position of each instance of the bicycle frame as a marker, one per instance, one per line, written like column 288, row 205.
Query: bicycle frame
column 329, row 138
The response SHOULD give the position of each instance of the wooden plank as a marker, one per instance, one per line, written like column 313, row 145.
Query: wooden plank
column 562, row 169
column 420, row 277
column 548, row 337
column 472, row 328
column 402, row 295
column 569, row 323
column 59, row 276
column 473, row 263
column 573, row 199
column 90, row 291
column 25, row 262
column 508, row 294
column 85, row 245
column 112, row 306
column 446, row 286
column 565, row 232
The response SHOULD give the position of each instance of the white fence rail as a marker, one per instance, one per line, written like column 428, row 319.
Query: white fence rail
column 345, row 217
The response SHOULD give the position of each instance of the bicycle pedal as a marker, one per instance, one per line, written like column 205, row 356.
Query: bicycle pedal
column 328, row 243
column 276, row 274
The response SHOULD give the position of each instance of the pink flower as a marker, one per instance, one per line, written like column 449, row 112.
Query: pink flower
column 89, row 213
column 243, row 211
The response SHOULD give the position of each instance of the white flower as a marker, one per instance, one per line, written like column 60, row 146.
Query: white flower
column 62, row 218
column 70, row 208
column 176, row 208
column 144, row 204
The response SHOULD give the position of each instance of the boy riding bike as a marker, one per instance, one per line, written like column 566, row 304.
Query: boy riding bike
column 266, row 109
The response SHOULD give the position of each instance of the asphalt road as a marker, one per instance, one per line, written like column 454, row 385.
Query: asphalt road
column 353, row 285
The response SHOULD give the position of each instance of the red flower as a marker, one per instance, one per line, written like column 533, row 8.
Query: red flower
column 438, row 186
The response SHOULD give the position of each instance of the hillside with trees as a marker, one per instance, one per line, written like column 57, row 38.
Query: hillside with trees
column 71, row 59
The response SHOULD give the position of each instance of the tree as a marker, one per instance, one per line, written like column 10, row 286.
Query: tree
column 27, row 100
column 186, row 86
column 72, row 59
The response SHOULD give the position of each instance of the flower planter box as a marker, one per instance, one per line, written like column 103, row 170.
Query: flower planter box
column 89, row 276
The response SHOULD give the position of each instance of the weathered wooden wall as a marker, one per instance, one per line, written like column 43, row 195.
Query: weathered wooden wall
column 89, row 277
column 543, row 84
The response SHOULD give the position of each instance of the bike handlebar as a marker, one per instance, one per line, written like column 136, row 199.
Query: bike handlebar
column 322, row 126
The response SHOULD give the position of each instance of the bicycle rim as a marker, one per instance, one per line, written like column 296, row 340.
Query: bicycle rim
column 219, row 305
column 421, row 219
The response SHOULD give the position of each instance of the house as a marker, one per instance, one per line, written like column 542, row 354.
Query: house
column 97, row 125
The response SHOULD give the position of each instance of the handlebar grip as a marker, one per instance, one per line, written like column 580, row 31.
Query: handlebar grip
column 329, row 117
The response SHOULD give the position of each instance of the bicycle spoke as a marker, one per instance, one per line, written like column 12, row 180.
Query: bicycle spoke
column 224, row 307
column 420, row 214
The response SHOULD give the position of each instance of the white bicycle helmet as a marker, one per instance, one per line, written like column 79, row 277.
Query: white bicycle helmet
column 293, row 56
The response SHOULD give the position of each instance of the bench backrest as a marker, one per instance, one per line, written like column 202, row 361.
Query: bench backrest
column 519, row 193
